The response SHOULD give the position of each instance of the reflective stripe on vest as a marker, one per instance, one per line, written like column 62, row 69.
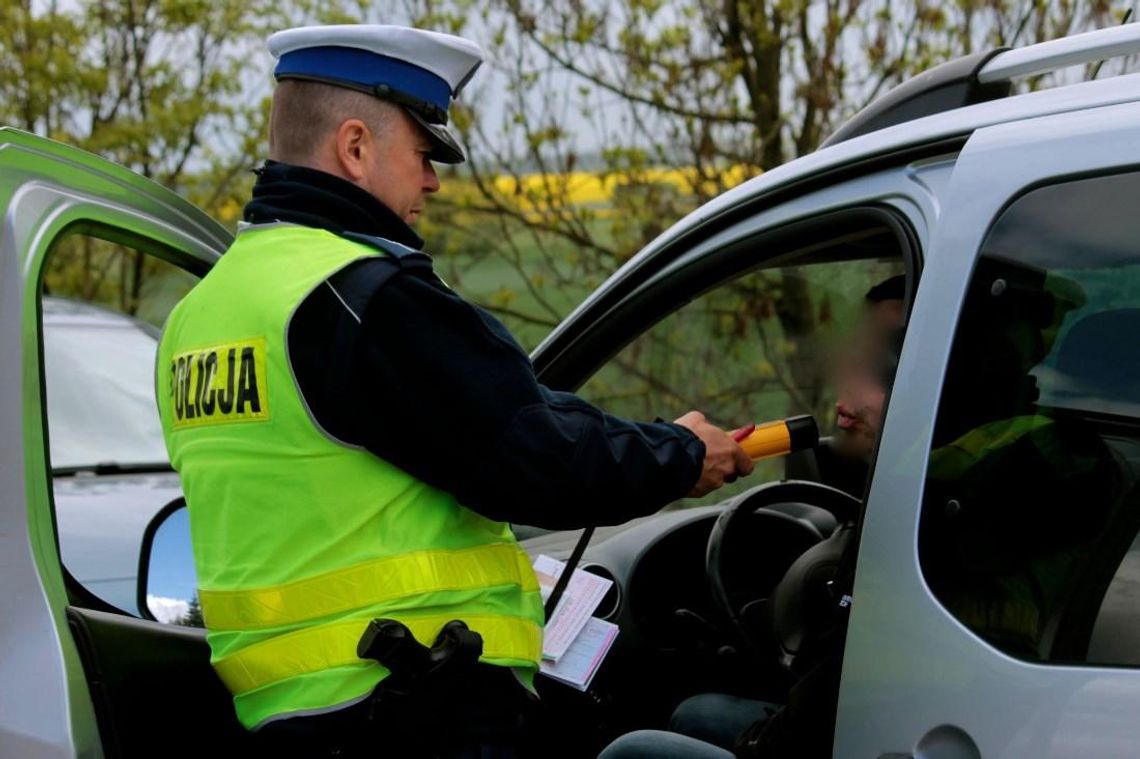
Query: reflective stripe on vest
column 506, row 640
column 372, row 582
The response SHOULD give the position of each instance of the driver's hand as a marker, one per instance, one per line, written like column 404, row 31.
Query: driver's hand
column 724, row 460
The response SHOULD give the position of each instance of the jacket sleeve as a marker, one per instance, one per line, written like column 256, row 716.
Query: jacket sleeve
column 439, row 388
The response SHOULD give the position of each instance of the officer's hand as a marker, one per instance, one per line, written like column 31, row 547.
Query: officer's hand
column 724, row 461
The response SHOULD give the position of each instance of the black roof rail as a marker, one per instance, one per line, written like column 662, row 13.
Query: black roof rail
column 951, row 85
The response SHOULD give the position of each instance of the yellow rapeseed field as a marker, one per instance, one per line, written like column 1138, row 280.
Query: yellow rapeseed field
column 542, row 193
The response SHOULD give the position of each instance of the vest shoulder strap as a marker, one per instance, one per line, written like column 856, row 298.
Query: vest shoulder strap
column 358, row 282
column 398, row 251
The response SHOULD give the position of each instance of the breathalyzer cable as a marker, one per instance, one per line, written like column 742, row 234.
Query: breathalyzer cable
column 564, row 578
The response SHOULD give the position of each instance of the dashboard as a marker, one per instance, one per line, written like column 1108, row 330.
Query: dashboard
column 661, row 596
column 668, row 621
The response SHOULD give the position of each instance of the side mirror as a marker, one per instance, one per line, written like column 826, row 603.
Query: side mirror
column 167, row 582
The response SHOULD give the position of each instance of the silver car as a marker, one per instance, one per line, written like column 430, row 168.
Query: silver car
column 981, row 584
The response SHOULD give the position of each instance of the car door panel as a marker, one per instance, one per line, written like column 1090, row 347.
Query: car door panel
column 153, row 684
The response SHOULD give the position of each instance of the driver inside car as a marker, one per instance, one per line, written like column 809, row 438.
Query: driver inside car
column 862, row 374
column 721, row 726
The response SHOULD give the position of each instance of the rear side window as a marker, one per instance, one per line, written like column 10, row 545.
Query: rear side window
column 1031, row 510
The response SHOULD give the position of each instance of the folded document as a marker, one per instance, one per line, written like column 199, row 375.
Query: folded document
column 583, row 594
column 581, row 662
column 574, row 642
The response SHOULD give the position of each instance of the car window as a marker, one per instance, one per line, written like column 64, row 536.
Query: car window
column 100, row 392
column 764, row 346
column 102, row 306
column 1031, row 510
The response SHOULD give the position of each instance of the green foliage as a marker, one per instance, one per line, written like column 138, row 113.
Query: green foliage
column 159, row 86
column 173, row 89
column 758, row 348
column 92, row 270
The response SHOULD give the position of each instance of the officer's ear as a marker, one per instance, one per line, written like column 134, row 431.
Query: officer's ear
column 353, row 141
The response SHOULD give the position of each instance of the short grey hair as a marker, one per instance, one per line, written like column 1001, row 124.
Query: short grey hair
column 305, row 113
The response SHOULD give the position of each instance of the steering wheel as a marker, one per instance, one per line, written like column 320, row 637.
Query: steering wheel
column 810, row 525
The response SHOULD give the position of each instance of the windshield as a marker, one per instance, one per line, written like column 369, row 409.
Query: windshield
column 100, row 389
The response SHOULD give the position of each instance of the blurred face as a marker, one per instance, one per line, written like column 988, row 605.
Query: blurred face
column 400, row 175
column 861, row 383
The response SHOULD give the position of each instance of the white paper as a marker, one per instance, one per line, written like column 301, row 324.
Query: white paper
column 582, row 661
column 583, row 594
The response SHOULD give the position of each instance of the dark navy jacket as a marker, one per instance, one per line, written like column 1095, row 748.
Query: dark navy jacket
column 390, row 359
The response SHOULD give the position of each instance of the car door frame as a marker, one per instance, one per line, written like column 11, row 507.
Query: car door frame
column 909, row 666
column 906, row 192
column 49, row 190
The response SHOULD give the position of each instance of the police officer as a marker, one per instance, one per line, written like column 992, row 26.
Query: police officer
column 354, row 438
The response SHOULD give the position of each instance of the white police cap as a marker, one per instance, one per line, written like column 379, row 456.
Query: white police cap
column 420, row 70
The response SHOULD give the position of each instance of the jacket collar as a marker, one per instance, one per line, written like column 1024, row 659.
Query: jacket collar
column 313, row 198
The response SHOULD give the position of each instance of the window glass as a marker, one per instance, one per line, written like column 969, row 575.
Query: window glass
column 102, row 306
column 100, row 387
column 767, row 345
column 1030, row 511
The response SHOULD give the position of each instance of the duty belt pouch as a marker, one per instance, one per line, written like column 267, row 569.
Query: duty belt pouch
column 426, row 686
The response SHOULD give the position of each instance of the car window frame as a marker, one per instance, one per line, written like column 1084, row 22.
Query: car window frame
column 710, row 266
column 99, row 228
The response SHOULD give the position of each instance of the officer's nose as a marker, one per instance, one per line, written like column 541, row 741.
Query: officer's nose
column 431, row 179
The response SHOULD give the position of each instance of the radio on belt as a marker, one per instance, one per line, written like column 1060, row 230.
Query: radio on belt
column 782, row 437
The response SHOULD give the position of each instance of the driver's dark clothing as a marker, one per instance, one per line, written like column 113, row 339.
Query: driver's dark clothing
column 718, row 718
column 747, row 729
column 805, row 727
column 438, row 387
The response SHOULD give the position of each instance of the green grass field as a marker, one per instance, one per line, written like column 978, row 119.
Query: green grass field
column 497, row 283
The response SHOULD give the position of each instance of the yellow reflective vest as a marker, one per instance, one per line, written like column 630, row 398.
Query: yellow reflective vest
column 300, row 539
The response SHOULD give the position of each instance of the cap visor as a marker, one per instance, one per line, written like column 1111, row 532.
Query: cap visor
column 444, row 147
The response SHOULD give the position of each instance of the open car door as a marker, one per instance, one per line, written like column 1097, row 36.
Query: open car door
column 80, row 678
